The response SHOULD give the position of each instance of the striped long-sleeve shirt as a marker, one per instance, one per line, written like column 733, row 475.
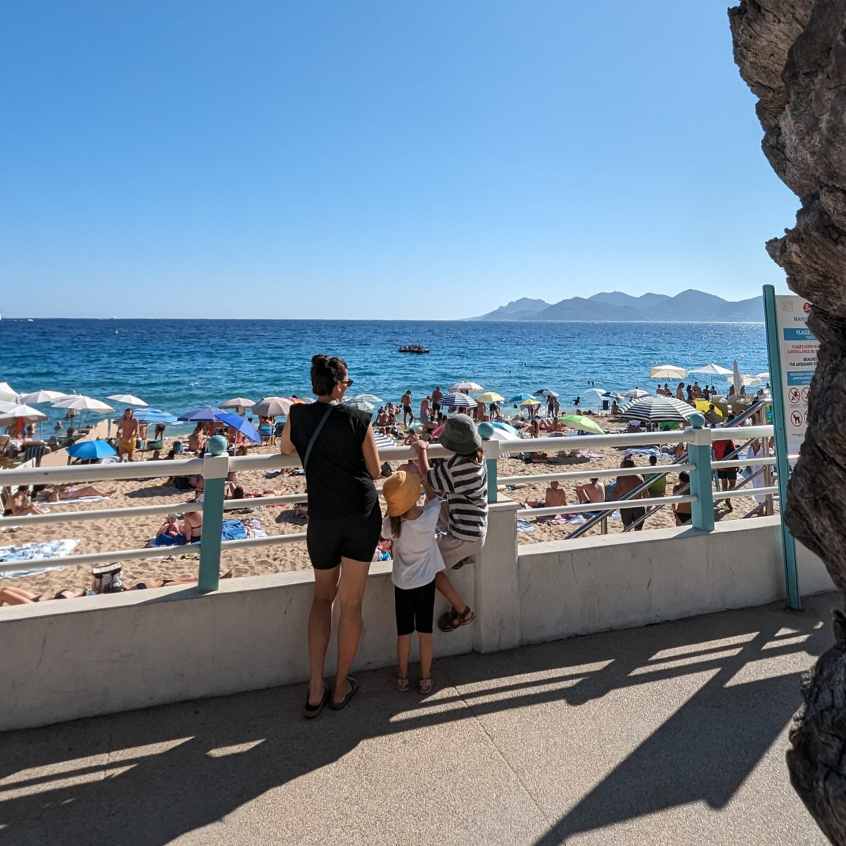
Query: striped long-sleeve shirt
column 464, row 484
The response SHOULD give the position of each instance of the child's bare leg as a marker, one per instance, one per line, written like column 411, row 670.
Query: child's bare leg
column 444, row 586
column 403, row 651
column 425, row 639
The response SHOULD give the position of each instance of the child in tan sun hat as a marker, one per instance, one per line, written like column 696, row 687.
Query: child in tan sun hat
column 417, row 560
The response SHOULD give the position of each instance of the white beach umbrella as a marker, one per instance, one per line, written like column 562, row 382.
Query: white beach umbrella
column 656, row 409
column 8, row 393
column 273, row 407
column 456, row 401
column 22, row 412
column 39, row 397
column 667, row 371
column 5, row 405
column 128, row 399
column 369, row 398
column 635, row 393
column 750, row 381
column 79, row 402
column 596, row 393
column 238, row 402
column 466, row 387
column 710, row 370
column 361, row 405
column 763, row 377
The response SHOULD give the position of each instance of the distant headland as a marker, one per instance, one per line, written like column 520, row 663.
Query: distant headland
column 614, row 306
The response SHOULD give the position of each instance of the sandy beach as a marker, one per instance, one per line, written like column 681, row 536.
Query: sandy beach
column 117, row 533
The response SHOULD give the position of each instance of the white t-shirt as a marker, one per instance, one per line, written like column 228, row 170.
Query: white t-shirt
column 417, row 558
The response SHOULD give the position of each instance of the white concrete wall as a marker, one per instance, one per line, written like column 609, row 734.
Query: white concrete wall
column 74, row 658
column 599, row 583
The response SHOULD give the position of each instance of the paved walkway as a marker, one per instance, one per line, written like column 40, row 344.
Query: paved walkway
column 670, row 734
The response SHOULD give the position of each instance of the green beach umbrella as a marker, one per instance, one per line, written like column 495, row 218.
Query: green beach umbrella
column 586, row 424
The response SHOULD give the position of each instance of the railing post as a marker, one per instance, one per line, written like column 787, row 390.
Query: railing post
column 699, row 454
column 215, row 470
column 491, row 449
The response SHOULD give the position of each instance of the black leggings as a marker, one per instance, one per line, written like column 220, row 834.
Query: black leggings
column 415, row 609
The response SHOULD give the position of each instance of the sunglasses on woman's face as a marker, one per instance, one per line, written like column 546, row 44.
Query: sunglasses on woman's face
column 347, row 382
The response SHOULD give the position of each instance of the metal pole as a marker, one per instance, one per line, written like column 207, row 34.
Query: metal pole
column 491, row 452
column 699, row 455
column 791, row 572
column 215, row 470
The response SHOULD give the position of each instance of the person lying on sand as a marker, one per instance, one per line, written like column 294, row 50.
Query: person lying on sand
column 57, row 493
column 21, row 504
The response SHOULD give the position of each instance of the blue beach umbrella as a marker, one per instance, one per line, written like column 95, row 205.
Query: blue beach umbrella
column 204, row 414
column 155, row 415
column 90, row 450
column 239, row 424
column 516, row 400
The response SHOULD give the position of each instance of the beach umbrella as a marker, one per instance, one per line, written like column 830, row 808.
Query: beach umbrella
column 749, row 380
column 205, row 413
column 128, row 399
column 520, row 398
column 361, row 405
column 455, row 401
column 489, row 432
column 736, row 377
column 238, row 402
column 7, row 406
column 22, row 412
column 710, row 370
column 273, row 407
column 154, row 415
column 545, row 392
column 667, row 371
column 369, row 398
column 652, row 409
column 580, row 421
column 703, row 405
column 239, row 424
column 466, row 387
column 79, row 402
column 596, row 394
column 764, row 377
column 635, row 393
column 40, row 397
column 505, row 427
column 91, row 450
column 529, row 402
column 490, row 396
column 7, row 392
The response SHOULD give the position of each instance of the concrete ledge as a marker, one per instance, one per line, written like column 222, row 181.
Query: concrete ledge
column 75, row 658
column 609, row 582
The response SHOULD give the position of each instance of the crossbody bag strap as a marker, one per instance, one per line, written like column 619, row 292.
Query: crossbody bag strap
column 315, row 433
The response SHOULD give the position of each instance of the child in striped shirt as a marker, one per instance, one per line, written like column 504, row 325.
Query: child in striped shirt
column 461, row 480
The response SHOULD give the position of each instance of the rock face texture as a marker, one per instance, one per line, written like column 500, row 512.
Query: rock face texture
column 793, row 57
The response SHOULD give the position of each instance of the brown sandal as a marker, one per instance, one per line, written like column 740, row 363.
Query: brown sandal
column 451, row 620
column 424, row 687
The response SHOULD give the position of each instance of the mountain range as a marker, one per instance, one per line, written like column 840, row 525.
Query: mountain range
column 614, row 306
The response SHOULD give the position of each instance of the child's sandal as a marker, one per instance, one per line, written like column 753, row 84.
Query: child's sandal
column 424, row 687
column 402, row 683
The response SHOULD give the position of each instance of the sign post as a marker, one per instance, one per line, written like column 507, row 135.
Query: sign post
column 792, row 352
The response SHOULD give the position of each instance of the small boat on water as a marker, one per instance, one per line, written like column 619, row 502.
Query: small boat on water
column 414, row 348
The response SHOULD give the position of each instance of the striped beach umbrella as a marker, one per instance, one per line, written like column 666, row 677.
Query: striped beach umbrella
column 455, row 401
column 383, row 441
column 658, row 410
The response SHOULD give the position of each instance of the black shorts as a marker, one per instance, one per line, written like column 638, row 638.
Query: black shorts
column 683, row 516
column 415, row 609
column 631, row 515
column 354, row 536
column 727, row 473
column 436, row 407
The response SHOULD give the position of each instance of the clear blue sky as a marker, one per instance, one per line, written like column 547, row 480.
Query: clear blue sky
column 379, row 159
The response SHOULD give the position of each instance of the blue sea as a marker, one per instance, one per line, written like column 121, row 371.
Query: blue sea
column 178, row 364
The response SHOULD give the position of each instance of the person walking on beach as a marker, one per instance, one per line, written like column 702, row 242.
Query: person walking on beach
column 437, row 396
column 462, row 481
column 127, row 430
column 337, row 448
column 624, row 485
column 417, row 560
column 424, row 410
column 407, row 412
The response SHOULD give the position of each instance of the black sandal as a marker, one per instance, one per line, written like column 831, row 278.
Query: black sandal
column 450, row 620
column 339, row 706
column 311, row 711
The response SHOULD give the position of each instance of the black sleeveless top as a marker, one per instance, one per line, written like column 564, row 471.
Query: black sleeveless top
column 337, row 480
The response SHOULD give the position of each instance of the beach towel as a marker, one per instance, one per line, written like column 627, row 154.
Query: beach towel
column 526, row 526
column 169, row 540
column 33, row 551
column 233, row 530
column 49, row 505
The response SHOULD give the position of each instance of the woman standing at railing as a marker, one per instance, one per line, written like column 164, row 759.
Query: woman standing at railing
column 338, row 451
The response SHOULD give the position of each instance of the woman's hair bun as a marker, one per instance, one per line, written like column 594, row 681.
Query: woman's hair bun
column 320, row 360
